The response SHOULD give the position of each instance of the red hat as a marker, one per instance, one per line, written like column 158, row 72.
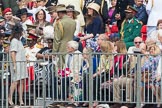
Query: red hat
column 32, row 36
column 7, row 10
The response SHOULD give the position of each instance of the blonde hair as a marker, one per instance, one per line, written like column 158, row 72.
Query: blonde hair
column 121, row 47
column 156, row 48
column 88, row 50
column 106, row 47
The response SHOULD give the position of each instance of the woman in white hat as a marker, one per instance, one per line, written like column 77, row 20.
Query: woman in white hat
column 72, row 13
column 94, row 23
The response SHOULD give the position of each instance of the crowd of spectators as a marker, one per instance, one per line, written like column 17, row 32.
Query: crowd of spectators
column 33, row 30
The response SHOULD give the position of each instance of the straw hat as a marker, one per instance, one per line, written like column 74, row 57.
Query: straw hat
column 60, row 8
column 94, row 6
column 72, row 8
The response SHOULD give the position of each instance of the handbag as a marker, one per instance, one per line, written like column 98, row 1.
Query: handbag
column 64, row 72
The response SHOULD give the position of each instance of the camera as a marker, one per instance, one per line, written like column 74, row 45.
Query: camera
column 137, row 50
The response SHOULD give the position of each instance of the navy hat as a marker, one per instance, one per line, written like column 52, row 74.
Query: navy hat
column 7, row 33
column 23, row 11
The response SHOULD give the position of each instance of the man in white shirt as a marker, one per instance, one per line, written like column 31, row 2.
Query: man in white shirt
column 137, row 42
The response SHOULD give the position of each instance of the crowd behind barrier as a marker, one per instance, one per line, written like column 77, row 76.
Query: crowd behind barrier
column 134, row 83
column 113, row 53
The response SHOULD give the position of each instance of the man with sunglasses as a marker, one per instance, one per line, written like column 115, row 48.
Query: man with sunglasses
column 137, row 42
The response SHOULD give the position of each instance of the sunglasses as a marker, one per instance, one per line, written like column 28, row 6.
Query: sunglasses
column 137, row 42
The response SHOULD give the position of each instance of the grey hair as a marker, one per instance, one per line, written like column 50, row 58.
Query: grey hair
column 73, row 44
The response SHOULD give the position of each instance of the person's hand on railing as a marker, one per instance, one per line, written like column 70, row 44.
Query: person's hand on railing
column 97, row 73
column 121, row 76
column 94, row 75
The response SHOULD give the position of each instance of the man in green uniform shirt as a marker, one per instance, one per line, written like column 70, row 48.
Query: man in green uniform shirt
column 130, row 27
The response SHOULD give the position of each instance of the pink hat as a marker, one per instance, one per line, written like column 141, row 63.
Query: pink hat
column 7, row 10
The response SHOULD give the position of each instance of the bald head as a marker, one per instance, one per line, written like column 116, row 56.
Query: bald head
column 137, row 39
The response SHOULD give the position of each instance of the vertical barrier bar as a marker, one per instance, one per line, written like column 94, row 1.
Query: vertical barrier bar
column 7, row 81
column 44, row 87
column 2, row 83
column 138, row 73
column 160, row 80
column 91, row 82
column 1, row 78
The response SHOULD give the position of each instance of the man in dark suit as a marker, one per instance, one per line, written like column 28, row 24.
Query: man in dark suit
column 141, row 15
column 121, row 6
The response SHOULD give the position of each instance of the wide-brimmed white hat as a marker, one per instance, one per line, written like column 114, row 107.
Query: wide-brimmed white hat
column 94, row 6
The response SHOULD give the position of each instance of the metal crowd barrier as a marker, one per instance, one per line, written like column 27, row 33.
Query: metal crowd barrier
column 49, row 81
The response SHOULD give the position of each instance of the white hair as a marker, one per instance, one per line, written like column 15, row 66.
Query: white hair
column 73, row 44
column 160, row 32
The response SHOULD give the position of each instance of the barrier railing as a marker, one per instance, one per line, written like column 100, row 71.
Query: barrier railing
column 96, row 77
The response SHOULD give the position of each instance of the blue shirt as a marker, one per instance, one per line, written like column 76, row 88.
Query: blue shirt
column 96, row 27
